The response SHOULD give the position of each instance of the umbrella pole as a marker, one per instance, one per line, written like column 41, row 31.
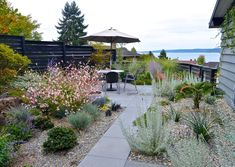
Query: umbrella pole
column 111, row 56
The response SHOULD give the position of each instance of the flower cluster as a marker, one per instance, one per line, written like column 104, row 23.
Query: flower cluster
column 70, row 88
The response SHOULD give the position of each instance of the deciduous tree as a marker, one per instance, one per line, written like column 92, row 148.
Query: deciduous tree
column 12, row 22
column 201, row 60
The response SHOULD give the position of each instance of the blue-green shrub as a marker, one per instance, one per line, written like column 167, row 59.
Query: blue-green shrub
column 80, row 120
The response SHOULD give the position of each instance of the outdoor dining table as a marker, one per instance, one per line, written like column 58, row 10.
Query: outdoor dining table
column 107, row 71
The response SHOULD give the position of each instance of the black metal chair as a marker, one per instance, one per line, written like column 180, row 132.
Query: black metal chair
column 102, row 79
column 112, row 77
column 132, row 78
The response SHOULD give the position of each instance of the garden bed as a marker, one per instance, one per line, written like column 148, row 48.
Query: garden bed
column 31, row 153
column 181, row 130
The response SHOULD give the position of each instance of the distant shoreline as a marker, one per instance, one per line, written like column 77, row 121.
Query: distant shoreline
column 212, row 50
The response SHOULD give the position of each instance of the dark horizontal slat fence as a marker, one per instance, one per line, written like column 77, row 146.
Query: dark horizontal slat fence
column 203, row 72
column 42, row 53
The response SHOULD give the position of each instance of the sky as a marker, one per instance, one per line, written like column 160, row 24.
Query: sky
column 159, row 24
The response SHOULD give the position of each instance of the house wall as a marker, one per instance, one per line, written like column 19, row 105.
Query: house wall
column 227, row 72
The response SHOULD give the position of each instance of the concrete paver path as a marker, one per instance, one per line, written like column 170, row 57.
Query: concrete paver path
column 112, row 150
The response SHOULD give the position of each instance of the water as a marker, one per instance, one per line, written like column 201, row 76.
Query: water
column 187, row 56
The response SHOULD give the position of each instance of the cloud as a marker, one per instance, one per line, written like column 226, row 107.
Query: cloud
column 158, row 23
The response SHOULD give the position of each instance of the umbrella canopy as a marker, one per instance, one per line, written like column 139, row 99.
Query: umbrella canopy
column 111, row 36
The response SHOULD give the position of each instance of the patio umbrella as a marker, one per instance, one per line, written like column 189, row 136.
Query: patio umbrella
column 111, row 36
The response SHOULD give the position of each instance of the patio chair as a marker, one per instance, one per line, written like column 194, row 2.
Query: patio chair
column 102, row 79
column 112, row 77
column 131, row 78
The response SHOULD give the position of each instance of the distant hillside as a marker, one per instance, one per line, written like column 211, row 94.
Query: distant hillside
column 213, row 50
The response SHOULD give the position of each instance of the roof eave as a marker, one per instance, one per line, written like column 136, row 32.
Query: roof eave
column 219, row 12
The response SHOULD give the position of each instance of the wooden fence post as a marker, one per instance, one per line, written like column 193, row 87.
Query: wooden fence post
column 190, row 68
column 202, row 74
column 213, row 75
column 23, row 45
column 64, row 54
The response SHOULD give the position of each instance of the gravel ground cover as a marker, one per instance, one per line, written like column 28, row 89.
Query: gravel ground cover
column 180, row 130
column 31, row 153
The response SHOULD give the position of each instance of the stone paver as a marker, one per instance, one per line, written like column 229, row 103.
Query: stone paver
column 112, row 150
column 140, row 164
column 94, row 161
column 114, row 131
column 111, row 147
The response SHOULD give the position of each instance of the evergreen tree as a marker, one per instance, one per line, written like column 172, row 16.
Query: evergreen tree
column 151, row 54
column 71, row 26
column 133, row 50
column 162, row 54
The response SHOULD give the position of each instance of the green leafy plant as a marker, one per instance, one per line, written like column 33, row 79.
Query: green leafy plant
column 11, row 63
column 100, row 58
column 18, row 131
column 15, row 23
column 61, row 113
column 93, row 110
column 202, row 124
column 35, row 111
column 150, row 136
column 168, row 65
column 164, row 102
column 217, row 92
column 80, row 120
column 5, row 151
column 210, row 99
column 174, row 115
column 201, row 60
column 60, row 138
column 107, row 99
column 136, row 66
column 7, row 75
column 15, row 92
column 189, row 153
column 197, row 91
column 43, row 123
column 12, row 60
column 228, row 28
column 144, row 79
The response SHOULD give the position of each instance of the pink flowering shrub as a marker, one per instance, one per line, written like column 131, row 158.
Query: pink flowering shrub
column 68, row 88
